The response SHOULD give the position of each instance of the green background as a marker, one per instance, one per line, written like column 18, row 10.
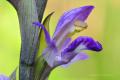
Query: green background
column 104, row 26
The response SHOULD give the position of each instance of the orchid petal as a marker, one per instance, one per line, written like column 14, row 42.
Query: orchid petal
column 47, row 36
column 66, row 43
column 69, row 17
column 80, row 56
column 49, row 55
column 83, row 43
column 66, row 24
column 3, row 77
column 42, row 39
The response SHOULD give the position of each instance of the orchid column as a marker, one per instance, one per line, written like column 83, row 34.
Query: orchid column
column 28, row 12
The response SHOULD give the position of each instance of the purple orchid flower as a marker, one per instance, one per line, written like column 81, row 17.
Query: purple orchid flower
column 60, row 49
column 3, row 77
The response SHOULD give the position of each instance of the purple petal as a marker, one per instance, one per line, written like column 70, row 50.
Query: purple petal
column 49, row 55
column 66, row 43
column 69, row 17
column 80, row 56
column 66, row 24
column 3, row 77
column 83, row 43
column 47, row 36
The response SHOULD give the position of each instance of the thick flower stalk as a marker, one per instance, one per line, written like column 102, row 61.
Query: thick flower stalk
column 61, row 50
column 28, row 11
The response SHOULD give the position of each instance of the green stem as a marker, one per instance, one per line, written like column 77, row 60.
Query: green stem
column 46, row 73
column 42, row 70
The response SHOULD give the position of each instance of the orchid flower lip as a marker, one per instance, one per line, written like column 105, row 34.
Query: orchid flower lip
column 99, row 47
column 84, row 43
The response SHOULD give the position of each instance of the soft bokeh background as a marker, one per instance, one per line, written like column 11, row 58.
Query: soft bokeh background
column 104, row 25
